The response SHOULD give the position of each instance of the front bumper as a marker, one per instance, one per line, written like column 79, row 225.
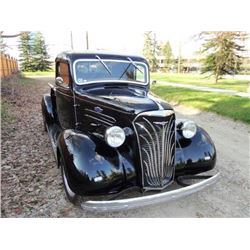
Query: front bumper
column 124, row 204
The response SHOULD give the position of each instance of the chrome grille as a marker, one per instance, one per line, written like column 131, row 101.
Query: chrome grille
column 155, row 132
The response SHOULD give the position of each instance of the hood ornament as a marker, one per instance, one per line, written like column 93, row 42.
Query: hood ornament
column 161, row 123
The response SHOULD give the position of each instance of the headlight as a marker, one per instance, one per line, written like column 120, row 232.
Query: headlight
column 115, row 136
column 189, row 129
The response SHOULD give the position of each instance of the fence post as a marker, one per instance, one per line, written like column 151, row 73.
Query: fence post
column 9, row 61
column 14, row 65
column 1, row 65
column 11, row 67
column 7, row 65
column 4, row 66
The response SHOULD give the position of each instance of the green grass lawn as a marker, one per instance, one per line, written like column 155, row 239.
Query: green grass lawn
column 202, row 80
column 39, row 73
column 234, row 107
column 19, row 80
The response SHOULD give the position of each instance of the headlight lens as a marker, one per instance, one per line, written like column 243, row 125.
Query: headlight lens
column 115, row 136
column 189, row 129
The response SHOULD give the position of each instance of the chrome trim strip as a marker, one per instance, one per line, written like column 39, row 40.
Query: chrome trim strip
column 51, row 85
column 132, row 203
column 62, row 93
column 97, row 119
column 161, row 113
column 104, row 116
column 156, row 100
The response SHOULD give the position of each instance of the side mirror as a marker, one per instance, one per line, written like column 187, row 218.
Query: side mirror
column 153, row 82
column 59, row 81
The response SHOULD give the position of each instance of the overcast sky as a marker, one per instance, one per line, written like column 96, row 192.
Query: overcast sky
column 128, row 42
column 117, row 41
column 119, row 26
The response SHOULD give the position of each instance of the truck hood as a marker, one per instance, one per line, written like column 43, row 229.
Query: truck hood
column 136, row 103
column 130, row 102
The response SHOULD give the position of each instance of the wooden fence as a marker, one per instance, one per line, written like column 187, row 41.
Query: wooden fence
column 8, row 65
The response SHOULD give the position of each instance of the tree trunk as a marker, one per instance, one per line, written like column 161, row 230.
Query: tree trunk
column 216, row 78
column 217, row 73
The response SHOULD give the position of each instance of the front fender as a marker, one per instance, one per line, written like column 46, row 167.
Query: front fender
column 47, row 109
column 195, row 155
column 92, row 167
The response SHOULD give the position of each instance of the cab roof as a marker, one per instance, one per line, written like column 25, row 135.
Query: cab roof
column 74, row 55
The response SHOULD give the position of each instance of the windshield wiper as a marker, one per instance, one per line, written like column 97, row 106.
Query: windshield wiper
column 104, row 64
column 131, row 62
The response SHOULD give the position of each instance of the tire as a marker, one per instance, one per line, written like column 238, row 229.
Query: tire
column 70, row 194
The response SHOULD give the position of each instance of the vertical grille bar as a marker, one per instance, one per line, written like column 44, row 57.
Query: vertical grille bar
column 155, row 131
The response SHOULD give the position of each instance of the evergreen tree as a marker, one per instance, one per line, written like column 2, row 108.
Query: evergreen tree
column 33, row 52
column 25, row 51
column 150, row 50
column 223, row 52
column 39, row 54
column 166, row 51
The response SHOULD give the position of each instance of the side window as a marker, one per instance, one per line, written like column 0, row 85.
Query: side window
column 63, row 72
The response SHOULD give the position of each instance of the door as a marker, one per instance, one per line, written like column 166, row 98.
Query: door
column 64, row 97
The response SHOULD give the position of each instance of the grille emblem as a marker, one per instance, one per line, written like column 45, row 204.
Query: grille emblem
column 98, row 109
column 161, row 123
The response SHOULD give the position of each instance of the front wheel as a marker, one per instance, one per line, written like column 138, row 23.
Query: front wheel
column 71, row 195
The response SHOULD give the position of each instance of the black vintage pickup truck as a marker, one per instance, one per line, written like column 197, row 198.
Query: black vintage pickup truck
column 118, row 146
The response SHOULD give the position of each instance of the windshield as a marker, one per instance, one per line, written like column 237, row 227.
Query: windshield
column 99, row 70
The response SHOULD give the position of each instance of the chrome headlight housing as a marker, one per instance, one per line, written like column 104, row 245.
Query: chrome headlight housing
column 189, row 129
column 115, row 136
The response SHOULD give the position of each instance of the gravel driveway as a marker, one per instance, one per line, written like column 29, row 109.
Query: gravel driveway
column 31, row 184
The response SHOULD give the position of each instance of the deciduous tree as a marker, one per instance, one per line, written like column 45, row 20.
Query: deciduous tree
column 150, row 50
column 166, row 51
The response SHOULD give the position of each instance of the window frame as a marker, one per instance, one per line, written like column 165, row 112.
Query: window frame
column 111, row 60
